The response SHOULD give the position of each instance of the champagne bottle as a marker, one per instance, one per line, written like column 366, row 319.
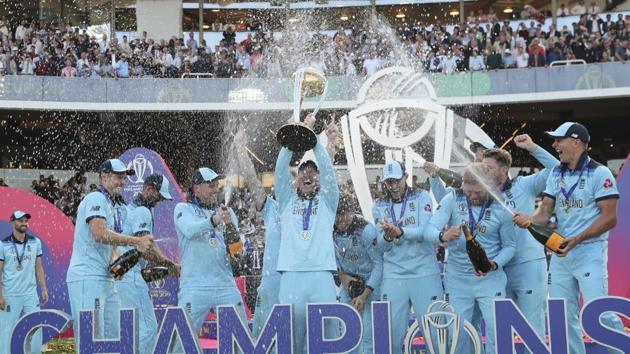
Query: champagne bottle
column 476, row 253
column 451, row 178
column 549, row 238
column 232, row 240
column 153, row 273
column 124, row 263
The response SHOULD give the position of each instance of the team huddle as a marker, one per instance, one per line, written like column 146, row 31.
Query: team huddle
column 312, row 230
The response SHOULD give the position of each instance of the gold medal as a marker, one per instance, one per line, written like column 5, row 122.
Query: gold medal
column 305, row 235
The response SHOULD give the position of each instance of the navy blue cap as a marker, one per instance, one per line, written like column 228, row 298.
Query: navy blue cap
column 115, row 166
column 203, row 175
column 160, row 183
column 18, row 214
column 571, row 130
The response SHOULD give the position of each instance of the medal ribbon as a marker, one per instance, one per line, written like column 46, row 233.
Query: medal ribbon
column 567, row 194
column 117, row 219
column 306, row 218
column 402, row 211
column 17, row 254
column 471, row 217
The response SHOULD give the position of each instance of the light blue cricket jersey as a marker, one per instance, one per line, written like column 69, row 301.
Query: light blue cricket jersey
column 593, row 182
column 356, row 252
column 19, row 282
column 202, row 248
column 315, row 250
column 520, row 195
column 139, row 221
column 495, row 231
column 90, row 259
column 272, row 237
column 412, row 255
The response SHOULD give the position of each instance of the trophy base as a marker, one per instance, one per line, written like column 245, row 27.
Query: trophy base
column 296, row 137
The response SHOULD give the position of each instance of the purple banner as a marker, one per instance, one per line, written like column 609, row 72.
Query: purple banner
column 146, row 162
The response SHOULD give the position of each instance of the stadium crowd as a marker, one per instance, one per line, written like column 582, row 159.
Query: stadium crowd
column 483, row 43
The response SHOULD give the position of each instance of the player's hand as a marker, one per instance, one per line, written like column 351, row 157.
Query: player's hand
column 332, row 131
column 482, row 274
column 44, row 296
column 144, row 243
column 566, row 246
column 359, row 301
column 522, row 220
column 451, row 234
column 391, row 231
column 225, row 215
column 309, row 120
column 345, row 280
column 430, row 168
column 174, row 270
column 3, row 304
column 525, row 142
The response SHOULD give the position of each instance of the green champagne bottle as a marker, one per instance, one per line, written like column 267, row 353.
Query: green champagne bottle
column 476, row 253
column 546, row 236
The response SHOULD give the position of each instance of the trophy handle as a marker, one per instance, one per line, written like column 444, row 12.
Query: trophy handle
column 319, row 103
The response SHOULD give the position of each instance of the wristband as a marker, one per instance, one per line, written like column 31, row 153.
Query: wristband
column 440, row 236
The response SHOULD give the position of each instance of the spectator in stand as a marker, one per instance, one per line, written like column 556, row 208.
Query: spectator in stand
column 136, row 70
column 622, row 50
column 122, row 67
column 229, row 36
column 69, row 70
column 536, row 54
column 508, row 59
column 494, row 60
column 594, row 24
column 27, row 66
column 562, row 11
column 579, row 8
column 191, row 43
column 125, row 47
column 555, row 53
column 522, row 58
column 372, row 64
column 593, row 9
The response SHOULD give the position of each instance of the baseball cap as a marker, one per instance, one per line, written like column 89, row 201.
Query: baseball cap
column 203, row 175
column 115, row 166
column 485, row 144
column 571, row 130
column 18, row 214
column 393, row 169
column 160, row 183
column 307, row 163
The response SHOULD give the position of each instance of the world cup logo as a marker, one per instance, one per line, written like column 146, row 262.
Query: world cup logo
column 441, row 328
column 142, row 166
column 398, row 110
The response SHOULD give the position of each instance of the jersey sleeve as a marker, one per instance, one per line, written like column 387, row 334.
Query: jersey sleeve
column 508, row 240
column 551, row 187
column 141, row 221
column 282, row 182
column 188, row 225
column 440, row 219
column 39, row 247
column 417, row 233
column 95, row 206
column 604, row 184
column 370, row 243
column 329, row 188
